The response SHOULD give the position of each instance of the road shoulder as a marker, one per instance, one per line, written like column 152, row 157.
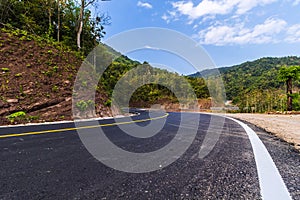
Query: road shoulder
column 285, row 127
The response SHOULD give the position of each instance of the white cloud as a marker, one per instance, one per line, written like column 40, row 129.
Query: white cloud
column 166, row 18
column 171, row 15
column 217, row 7
column 144, row 5
column 293, row 34
column 296, row 2
column 239, row 34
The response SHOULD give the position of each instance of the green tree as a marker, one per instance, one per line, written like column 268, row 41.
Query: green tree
column 287, row 74
column 61, row 20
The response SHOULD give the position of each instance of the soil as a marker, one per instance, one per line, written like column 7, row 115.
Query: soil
column 174, row 106
column 285, row 127
column 38, row 79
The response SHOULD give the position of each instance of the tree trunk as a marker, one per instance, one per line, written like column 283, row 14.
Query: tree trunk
column 289, row 92
column 80, row 24
column 49, row 19
column 58, row 19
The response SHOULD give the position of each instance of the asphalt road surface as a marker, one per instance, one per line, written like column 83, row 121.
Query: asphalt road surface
column 51, row 162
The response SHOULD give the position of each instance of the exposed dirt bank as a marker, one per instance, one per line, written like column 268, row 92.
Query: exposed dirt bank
column 37, row 79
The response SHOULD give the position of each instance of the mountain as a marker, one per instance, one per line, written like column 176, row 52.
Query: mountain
column 37, row 80
column 257, row 78
column 259, row 74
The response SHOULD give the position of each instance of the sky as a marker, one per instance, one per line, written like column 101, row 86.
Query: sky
column 230, row 31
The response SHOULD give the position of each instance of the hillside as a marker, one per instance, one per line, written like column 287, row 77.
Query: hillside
column 256, row 84
column 37, row 79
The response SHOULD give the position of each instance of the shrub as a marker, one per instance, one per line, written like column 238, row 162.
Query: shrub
column 55, row 88
column 17, row 115
column 5, row 69
column 83, row 105
column 108, row 103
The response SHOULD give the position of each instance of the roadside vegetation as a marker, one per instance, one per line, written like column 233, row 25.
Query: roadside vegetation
column 40, row 56
column 260, row 85
column 42, row 46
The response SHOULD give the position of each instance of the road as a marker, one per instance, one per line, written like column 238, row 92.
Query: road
column 56, row 165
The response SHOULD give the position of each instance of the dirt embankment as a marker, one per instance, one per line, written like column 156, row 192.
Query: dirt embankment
column 37, row 79
column 286, row 127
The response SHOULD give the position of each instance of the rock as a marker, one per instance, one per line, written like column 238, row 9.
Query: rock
column 12, row 100
column 27, row 91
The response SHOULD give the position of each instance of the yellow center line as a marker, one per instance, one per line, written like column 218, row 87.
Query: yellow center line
column 79, row 128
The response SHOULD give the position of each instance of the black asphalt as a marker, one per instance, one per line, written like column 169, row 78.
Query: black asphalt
column 58, row 166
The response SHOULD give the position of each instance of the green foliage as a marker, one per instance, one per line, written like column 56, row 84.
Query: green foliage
column 289, row 72
column 257, row 85
column 36, row 17
column 17, row 115
column 18, row 75
column 84, row 83
column 55, row 69
column 199, row 86
column 55, row 88
column 5, row 69
column 30, row 118
column 108, row 103
column 296, row 101
column 83, row 105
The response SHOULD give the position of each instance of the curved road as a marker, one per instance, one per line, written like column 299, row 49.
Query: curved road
column 51, row 162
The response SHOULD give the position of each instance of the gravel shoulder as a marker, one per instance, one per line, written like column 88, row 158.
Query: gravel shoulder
column 285, row 127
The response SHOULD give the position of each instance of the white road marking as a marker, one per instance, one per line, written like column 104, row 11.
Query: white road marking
column 271, row 183
column 67, row 122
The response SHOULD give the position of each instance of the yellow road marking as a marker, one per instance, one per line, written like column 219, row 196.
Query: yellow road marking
column 79, row 128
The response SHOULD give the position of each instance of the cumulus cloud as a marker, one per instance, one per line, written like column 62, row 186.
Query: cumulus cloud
column 171, row 15
column 230, row 22
column 239, row 34
column 220, row 7
column 293, row 34
column 166, row 18
column 144, row 5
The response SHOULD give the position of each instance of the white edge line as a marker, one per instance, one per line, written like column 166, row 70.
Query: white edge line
column 66, row 122
column 271, row 183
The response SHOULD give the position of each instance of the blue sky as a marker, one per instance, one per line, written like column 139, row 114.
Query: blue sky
column 231, row 31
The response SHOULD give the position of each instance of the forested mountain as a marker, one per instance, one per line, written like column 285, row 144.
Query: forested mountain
column 44, row 43
column 255, row 84
column 37, row 78
column 149, row 94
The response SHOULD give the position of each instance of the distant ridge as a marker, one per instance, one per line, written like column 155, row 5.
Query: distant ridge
column 258, row 74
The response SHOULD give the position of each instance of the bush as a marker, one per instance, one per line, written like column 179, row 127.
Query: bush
column 17, row 115
column 84, row 105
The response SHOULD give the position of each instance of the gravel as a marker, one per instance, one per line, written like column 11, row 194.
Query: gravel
column 285, row 127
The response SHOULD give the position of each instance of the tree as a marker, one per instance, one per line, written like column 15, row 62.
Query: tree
column 65, row 21
column 58, row 19
column 84, row 4
column 287, row 74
